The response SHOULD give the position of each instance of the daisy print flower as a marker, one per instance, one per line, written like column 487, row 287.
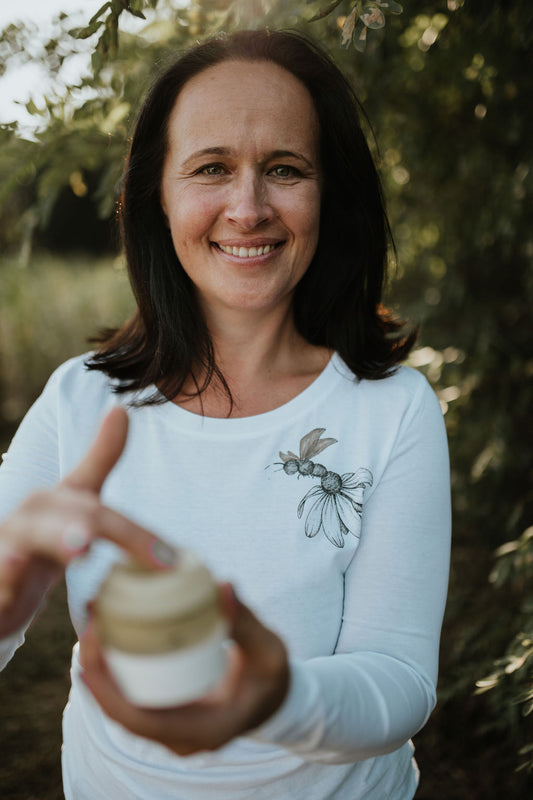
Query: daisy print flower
column 337, row 506
column 337, row 503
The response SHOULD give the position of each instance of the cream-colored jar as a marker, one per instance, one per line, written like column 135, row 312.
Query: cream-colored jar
column 163, row 631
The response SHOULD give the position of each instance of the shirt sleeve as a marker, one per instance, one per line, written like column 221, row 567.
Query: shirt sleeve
column 379, row 687
column 31, row 463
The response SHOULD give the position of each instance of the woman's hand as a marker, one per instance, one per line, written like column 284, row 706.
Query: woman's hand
column 40, row 538
column 255, row 686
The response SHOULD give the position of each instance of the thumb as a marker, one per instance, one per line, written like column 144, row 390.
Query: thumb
column 103, row 454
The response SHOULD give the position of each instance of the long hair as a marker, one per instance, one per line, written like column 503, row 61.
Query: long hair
column 337, row 303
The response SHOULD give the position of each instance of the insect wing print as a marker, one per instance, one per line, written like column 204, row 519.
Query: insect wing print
column 334, row 507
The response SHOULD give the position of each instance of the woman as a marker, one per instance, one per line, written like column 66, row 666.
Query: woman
column 270, row 431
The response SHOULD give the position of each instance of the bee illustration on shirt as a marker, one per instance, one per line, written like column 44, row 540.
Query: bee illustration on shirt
column 337, row 504
column 310, row 445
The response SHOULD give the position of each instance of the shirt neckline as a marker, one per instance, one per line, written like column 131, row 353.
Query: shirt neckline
column 186, row 420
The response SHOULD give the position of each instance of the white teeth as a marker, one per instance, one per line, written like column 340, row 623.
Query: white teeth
column 247, row 252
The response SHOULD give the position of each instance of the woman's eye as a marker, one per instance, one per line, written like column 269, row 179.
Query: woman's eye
column 284, row 171
column 212, row 170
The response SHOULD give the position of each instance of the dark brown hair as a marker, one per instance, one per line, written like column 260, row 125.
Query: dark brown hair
column 337, row 303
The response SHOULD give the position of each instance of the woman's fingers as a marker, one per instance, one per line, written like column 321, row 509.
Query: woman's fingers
column 172, row 726
column 89, row 477
column 184, row 729
column 61, row 524
column 253, row 689
column 136, row 540
column 103, row 454
column 55, row 524
column 52, row 527
column 99, row 680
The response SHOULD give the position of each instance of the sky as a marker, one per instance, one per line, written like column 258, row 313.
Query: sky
column 24, row 81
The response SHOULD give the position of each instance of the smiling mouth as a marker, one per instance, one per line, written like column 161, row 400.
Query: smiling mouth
column 248, row 252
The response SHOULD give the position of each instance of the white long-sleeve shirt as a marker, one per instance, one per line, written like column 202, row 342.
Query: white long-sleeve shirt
column 341, row 548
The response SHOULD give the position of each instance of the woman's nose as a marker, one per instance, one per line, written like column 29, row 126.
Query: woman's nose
column 248, row 205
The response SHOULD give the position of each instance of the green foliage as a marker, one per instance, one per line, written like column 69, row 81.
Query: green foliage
column 511, row 680
column 48, row 310
column 107, row 44
column 365, row 17
column 447, row 86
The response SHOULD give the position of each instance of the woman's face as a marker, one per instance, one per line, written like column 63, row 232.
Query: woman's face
column 241, row 184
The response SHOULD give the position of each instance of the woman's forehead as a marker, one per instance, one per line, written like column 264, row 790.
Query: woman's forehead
column 236, row 100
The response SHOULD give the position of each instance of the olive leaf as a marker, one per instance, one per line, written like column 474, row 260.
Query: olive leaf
column 359, row 37
column 326, row 10
column 390, row 6
column 135, row 7
column 372, row 17
column 85, row 33
column 363, row 17
column 348, row 27
column 99, row 13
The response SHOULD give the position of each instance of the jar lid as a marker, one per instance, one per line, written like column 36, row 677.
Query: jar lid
column 133, row 590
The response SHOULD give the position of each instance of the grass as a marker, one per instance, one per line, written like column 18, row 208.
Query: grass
column 47, row 311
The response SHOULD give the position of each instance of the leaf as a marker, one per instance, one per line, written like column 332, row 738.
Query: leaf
column 359, row 38
column 136, row 13
column 390, row 6
column 325, row 11
column 348, row 27
column 135, row 7
column 97, row 61
column 32, row 109
column 372, row 17
column 99, row 13
column 85, row 33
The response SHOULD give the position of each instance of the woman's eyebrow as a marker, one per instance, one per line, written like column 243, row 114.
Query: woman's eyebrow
column 207, row 151
column 291, row 154
column 228, row 151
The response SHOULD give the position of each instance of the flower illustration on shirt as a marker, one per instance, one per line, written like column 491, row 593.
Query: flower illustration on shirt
column 337, row 503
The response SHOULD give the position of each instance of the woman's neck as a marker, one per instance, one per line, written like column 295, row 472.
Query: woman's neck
column 265, row 363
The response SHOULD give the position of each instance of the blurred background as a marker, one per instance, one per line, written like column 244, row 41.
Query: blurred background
column 447, row 87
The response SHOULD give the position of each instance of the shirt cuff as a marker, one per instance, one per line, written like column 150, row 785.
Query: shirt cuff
column 298, row 724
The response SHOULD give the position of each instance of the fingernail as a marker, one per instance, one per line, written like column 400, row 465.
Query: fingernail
column 164, row 554
column 76, row 537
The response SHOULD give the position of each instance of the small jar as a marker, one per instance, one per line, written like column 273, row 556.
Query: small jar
column 163, row 631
